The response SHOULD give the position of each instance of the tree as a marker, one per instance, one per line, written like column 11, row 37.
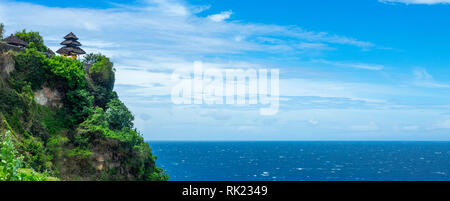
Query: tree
column 102, row 79
column 102, row 72
column 118, row 115
column 69, row 69
column 2, row 30
column 79, row 104
column 92, row 58
column 33, row 37
column 29, row 64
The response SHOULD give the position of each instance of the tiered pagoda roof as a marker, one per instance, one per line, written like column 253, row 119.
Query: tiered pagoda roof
column 71, row 46
column 71, row 36
column 14, row 40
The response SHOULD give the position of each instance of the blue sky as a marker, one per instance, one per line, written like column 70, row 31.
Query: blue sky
column 349, row 70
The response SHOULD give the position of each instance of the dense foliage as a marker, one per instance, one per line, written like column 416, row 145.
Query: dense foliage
column 92, row 58
column 29, row 68
column 102, row 78
column 33, row 38
column 11, row 164
column 2, row 29
column 118, row 116
column 102, row 73
column 71, row 70
column 90, row 137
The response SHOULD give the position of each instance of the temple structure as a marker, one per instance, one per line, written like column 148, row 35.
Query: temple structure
column 13, row 40
column 71, row 46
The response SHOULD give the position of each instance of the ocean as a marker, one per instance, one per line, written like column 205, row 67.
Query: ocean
column 304, row 161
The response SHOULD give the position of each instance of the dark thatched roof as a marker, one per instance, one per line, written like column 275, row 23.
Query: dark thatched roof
column 13, row 40
column 72, row 43
column 71, row 36
column 70, row 51
column 71, row 46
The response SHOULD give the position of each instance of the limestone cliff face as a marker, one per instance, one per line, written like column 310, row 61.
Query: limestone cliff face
column 107, row 157
column 48, row 97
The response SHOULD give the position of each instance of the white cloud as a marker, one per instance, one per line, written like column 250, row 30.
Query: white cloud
column 332, row 89
column 354, row 65
column 169, row 7
column 316, row 46
column 164, row 27
column 417, row 1
column 424, row 79
column 221, row 16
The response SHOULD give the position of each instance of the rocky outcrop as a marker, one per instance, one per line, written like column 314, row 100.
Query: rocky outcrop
column 49, row 53
column 6, row 65
column 107, row 158
column 4, row 47
column 48, row 97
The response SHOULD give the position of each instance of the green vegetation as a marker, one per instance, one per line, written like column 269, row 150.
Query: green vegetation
column 29, row 68
column 11, row 164
column 33, row 39
column 102, row 73
column 102, row 78
column 118, row 116
column 90, row 136
column 2, row 30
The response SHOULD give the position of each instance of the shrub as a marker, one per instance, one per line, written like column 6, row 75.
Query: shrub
column 78, row 101
column 55, row 145
column 79, row 153
column 32, row 37
column 118, row 116
column 29, row 67
column 102, row 73
column 92, row 58
column 34, row 153
column 79, row 104
column 69, row 69
column 101, row 95
column 11, row 164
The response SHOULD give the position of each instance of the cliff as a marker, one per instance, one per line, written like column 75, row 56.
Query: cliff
column 60, row 119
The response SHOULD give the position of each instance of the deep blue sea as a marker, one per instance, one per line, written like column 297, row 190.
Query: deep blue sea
column 300, row 161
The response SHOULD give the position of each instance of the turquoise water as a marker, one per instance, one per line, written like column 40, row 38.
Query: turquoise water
column 304, row 161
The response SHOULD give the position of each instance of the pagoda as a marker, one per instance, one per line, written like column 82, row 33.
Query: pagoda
column 14, row 40
column 71, row 46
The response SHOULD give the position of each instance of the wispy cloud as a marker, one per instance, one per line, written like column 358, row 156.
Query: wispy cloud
column 221, row 16
column 353, row 65
column 424, row 79
column 315, row 46
column 167, row 28
column 417, row 1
